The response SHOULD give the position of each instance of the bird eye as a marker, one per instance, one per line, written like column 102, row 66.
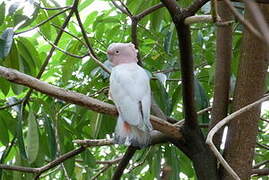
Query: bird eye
column 117, row 52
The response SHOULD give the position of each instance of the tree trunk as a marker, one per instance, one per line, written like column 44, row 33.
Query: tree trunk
column 241, row 139
column 223, row 68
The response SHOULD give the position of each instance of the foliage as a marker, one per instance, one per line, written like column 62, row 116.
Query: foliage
column 44, row 128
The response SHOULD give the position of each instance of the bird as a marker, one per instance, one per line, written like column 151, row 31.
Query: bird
column 129, row 89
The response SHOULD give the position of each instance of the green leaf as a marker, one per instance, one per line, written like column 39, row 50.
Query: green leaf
column 28, row 54
column 90, row 18
column 88, row 158
column 2, row 12
column 161, row 96
column 12, row 60
column 4, row 137
column 50, row 137
column 201, row 100
column 5, row 85
column 84, row 4
column 95, row 124
column 45, row 28
column 6, row 40
column 32, row 139
column 20, row 137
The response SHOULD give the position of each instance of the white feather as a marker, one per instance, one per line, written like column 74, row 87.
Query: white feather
column 130, row 89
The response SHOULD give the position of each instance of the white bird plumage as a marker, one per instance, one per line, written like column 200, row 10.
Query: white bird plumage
column 130, row 91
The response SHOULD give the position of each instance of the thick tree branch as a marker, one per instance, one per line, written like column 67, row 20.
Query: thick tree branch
column 124, row 162
column 186, row 62
column 80, row 99
column 222, row 70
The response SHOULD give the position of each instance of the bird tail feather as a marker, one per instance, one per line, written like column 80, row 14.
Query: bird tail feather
column 129, row 135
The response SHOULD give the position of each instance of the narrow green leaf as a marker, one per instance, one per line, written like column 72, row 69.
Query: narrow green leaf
column 95, row 124
column 5, row 85
column 12, row 60
column 90, row 18
column 51, row 137
column 4, row 137
column 32, row 139
column 84, row 4
column 2, row 12
column 201, row 100
column 6, row 40
column 161, row 96
column 20, row 137
column 88, row 158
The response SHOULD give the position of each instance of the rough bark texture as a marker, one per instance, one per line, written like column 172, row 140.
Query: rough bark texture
column 222, row 73
column 241, row 139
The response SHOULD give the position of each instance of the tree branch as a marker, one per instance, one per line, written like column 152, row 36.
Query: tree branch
column 91, row 51
column 219, row 125
column 80, row 99
column 39, row 171
column 124, row 162
column 56, row 41
column 260, row 172
column 240, row 18
column 63, row 51
column 148, row 11
column 43, row 22
column 186, row 62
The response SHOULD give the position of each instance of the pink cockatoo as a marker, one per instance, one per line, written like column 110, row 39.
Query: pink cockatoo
column 130, row 91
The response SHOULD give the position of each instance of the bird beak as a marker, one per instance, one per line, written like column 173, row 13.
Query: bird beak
column 109, row 52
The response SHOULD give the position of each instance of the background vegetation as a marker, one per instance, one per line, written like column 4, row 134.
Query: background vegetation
column 36, row 128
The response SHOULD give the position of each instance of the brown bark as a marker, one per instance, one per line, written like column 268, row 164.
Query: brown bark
column 251, row 76
column 222, row 73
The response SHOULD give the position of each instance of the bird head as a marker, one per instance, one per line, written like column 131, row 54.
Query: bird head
column 120, row 53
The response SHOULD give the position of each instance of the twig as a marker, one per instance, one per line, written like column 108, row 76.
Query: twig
column 55, row 8
column 80, row 99
column 219, row 125
column 94, row 142
column 256, row 166
column 263, row 146
column 99, row 91
column 198, row 19
column 58, row 27
column 39, row 171
column 148, row 11
column 124, row 162
column 141, row 163
column 101, row 171
column 260, row 172
column 43, row 22
column 124, row 11
column 63, row 51
column 198, row 113
column 240, row 18
column 91, row 51
column 265, row 120
column 56, row 41
column 11, row 105
column 113, row 161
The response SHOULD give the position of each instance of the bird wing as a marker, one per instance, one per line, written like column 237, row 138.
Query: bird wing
column 130, row 90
